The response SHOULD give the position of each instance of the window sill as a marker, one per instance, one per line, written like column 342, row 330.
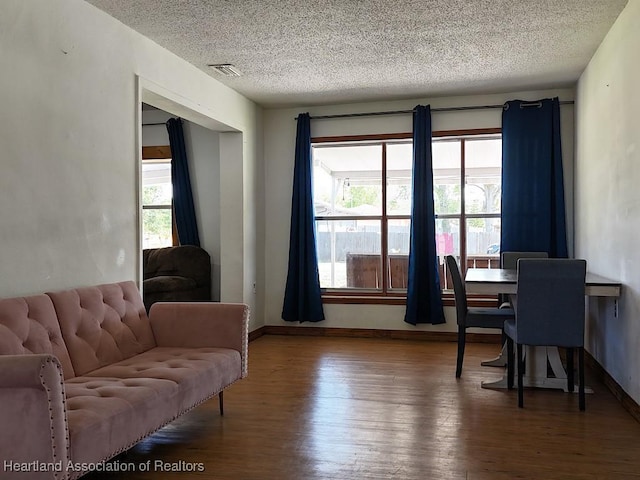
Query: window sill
column 363, row 299
column 447, row 300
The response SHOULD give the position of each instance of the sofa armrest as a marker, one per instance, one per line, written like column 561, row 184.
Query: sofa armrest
column 33, row 415
column 202, row 324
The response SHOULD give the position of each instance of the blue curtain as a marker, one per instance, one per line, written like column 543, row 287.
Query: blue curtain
column 424, row 297
column 533, row 207
column 302, row 296
column 185, row 214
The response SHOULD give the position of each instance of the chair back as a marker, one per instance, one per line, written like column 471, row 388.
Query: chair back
column 509, row 260
column 550, row 302
column 459, row 291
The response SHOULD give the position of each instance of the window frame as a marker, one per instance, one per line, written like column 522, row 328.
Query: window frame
column 386, row 295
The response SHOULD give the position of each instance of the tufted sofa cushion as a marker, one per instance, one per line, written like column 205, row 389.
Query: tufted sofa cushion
column 119, row 402
column 107, row 415
column 196, row 370
column 102, row 325
column 30, row 325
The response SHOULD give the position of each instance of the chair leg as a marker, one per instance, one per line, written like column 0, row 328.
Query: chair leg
column 461, row 343
column 520, row 375
column 509, row 363
column 570, row 379
column 581, row 378
column 221, row 402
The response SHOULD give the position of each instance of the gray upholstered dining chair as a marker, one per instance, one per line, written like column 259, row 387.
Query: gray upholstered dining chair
column 471, row 317
column 549, row 311
column 509, row 260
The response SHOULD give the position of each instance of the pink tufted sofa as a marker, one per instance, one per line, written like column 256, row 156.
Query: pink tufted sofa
column 85, row 374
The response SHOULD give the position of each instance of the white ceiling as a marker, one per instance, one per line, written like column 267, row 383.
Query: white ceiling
column 313, row 52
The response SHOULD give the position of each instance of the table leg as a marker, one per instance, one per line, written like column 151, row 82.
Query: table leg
column 536, row 375
column 499, row 361
column 502, row 383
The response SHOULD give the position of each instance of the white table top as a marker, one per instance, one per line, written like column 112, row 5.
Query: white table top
column 497, row 280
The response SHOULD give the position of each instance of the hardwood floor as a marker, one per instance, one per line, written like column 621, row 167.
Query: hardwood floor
column 352, row 408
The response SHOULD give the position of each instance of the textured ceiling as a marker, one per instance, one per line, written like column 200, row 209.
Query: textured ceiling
column 297, row 52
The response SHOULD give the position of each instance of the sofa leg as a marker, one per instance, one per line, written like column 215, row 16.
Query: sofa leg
column 221, row 402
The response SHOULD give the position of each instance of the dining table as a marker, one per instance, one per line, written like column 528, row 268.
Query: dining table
column 544, row 368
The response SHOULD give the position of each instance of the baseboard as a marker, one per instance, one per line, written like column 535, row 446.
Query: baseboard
column 628, row 403
column 255, row 334
column 372, row 333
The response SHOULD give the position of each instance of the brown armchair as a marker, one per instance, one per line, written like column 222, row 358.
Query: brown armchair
column 172, row 274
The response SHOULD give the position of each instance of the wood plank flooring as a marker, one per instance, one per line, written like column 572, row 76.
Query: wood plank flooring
column 325, row 408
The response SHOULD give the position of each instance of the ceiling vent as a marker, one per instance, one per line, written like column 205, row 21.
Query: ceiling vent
column 226, row 69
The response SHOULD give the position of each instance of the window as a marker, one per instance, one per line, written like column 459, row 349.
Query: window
column 467, row 173
column 362, row 199
column 157, row 196
column 362, row 196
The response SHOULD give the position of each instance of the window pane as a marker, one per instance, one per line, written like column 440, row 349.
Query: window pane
column 398, row 245
column 399, row 178
column 483, row 165
column 156, row 228
column 349, row 253
column 156, row 183
column 446, row 176
column 448, row 237
column 447, row 243
column 347, row 180
column 483, row 242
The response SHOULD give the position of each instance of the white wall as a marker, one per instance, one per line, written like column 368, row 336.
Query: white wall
column 279, row 143
column 608, row 194
column 203, row 152
column 69, row 200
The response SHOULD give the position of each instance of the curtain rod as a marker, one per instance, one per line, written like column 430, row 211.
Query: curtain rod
column 442, row 109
